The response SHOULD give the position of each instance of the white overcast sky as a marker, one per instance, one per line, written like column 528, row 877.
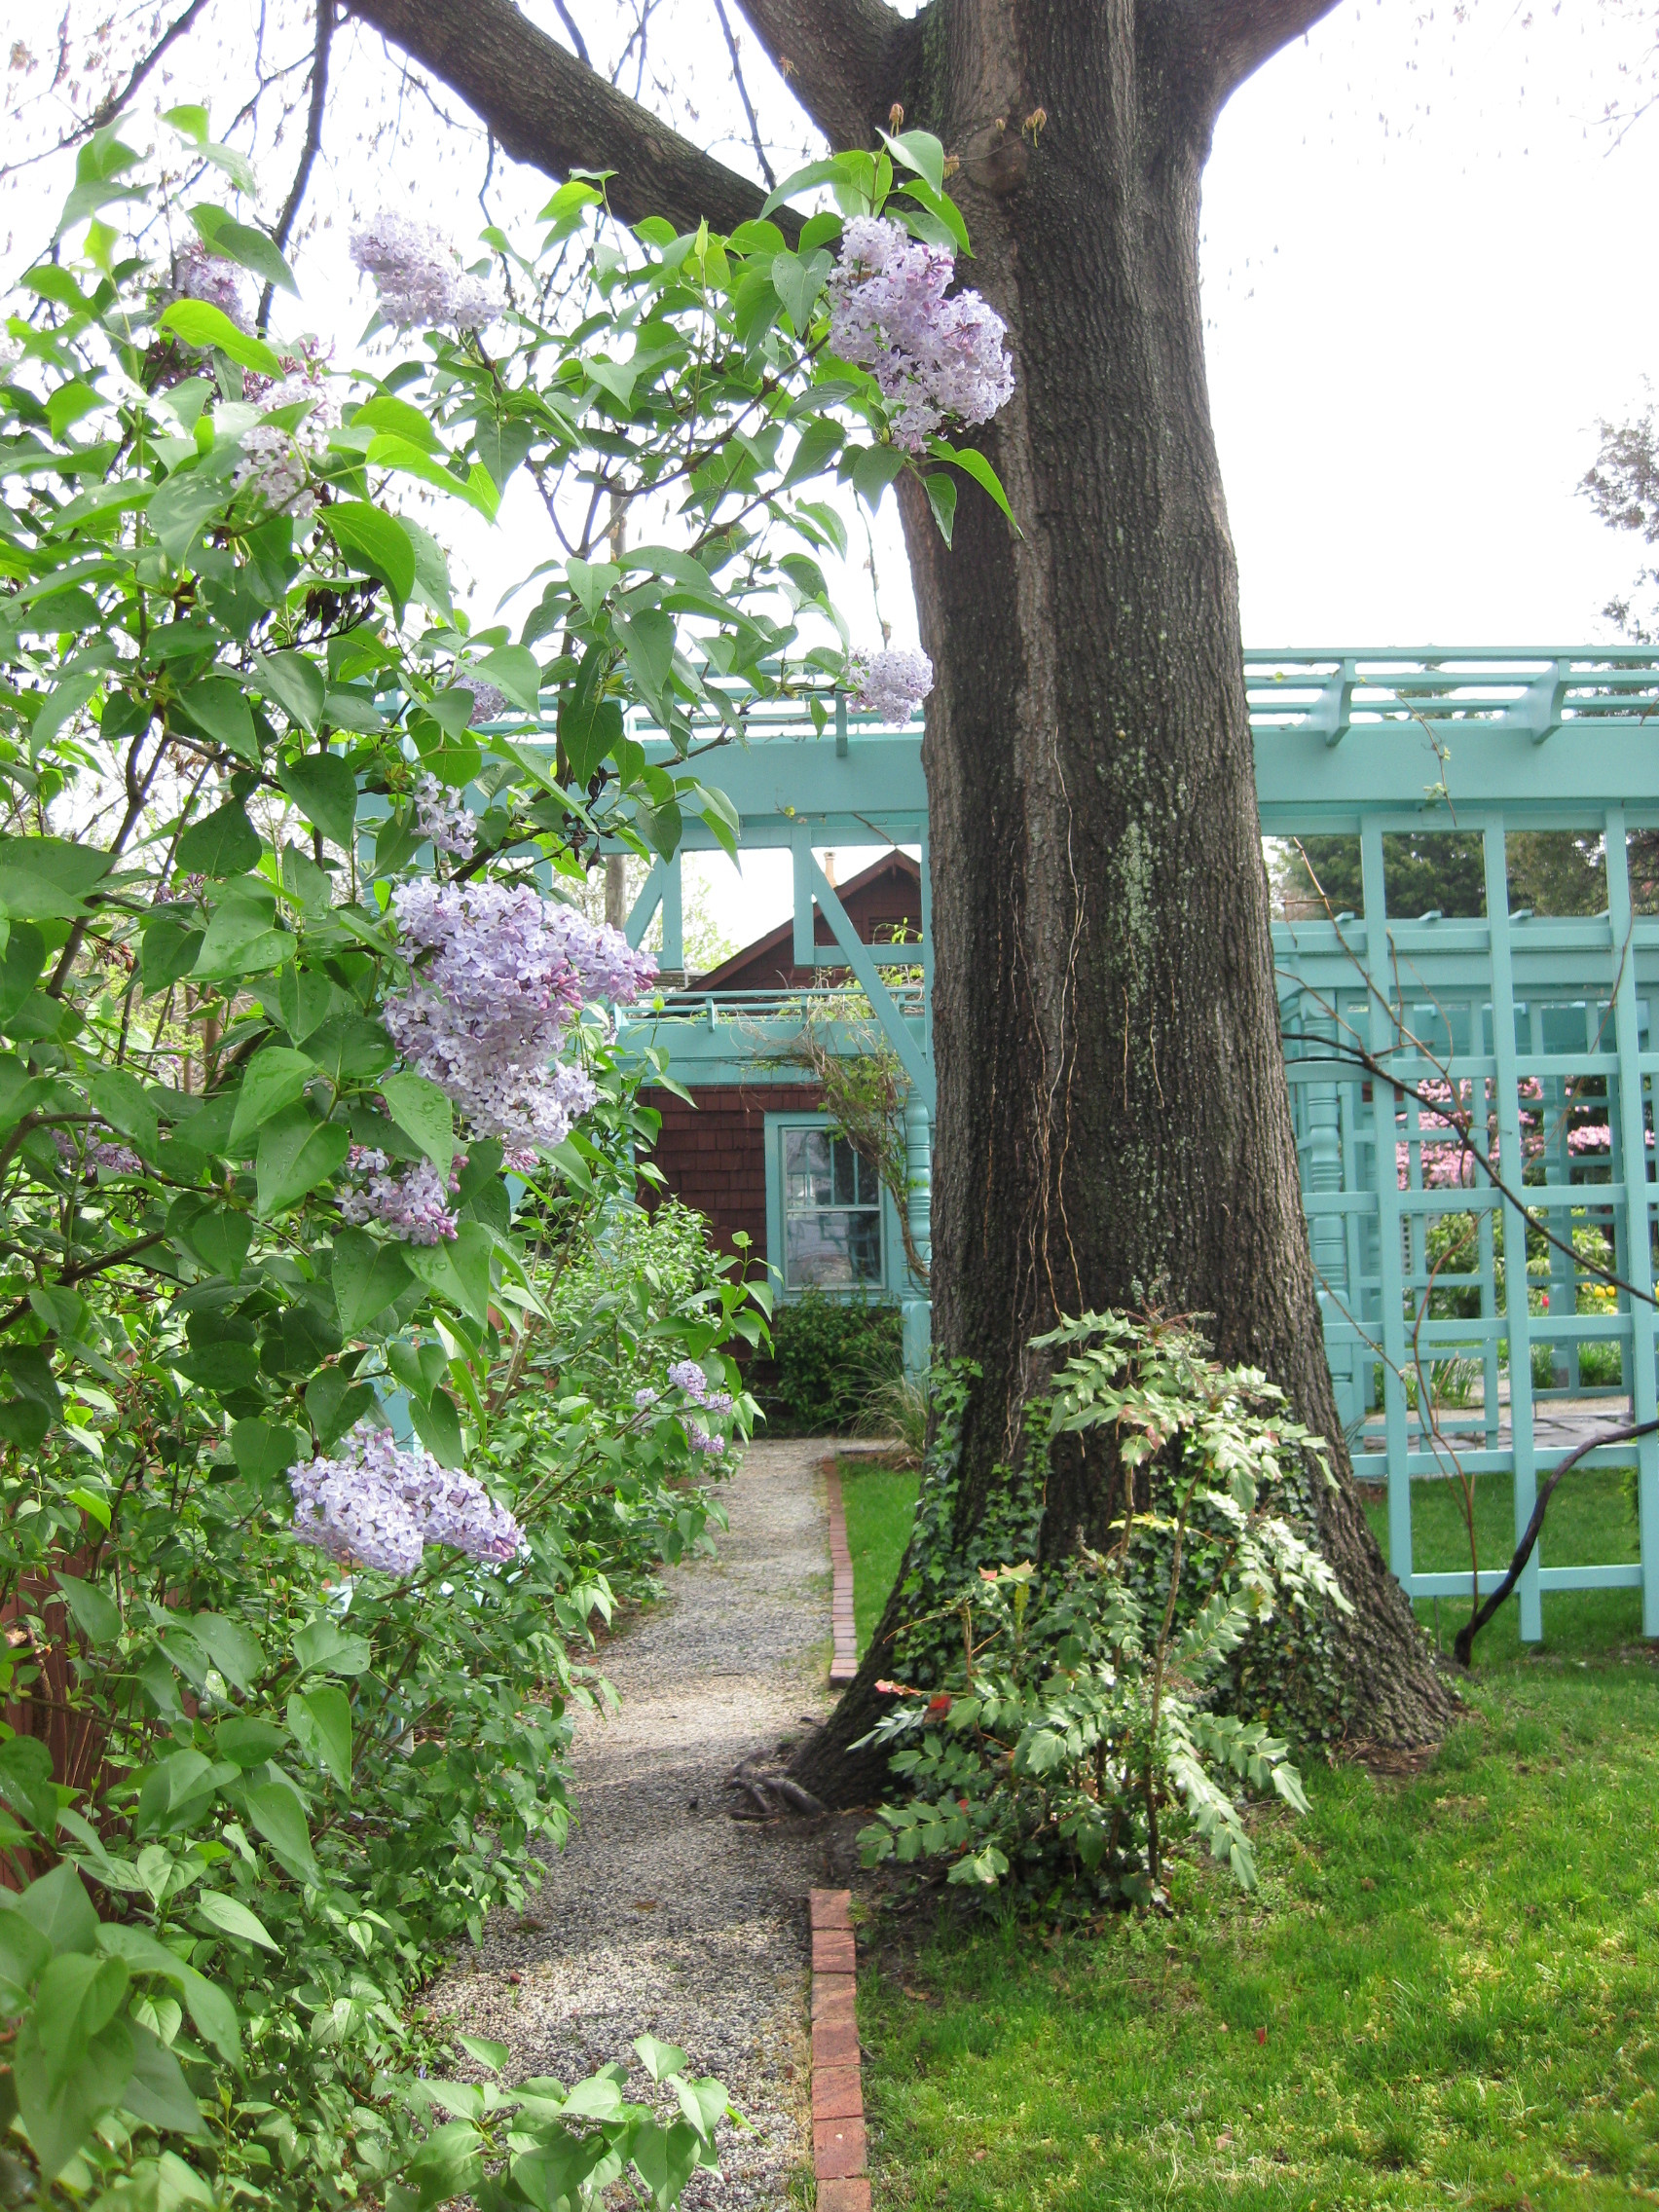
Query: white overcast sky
column 1427, row 268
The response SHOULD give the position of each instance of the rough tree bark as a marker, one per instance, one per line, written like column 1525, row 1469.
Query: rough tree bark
column 1114, row 1118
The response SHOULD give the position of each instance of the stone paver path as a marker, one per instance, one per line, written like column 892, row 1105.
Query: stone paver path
column 665, row 1913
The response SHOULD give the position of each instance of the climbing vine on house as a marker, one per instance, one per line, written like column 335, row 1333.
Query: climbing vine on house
column 311, row 1483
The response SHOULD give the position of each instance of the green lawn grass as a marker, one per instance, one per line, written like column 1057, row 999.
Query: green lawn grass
column 1441, row 1994
column 881, row 1504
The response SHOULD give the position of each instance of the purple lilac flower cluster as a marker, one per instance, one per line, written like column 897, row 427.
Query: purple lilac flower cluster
column 276, row 462
column 443, row 817
column 487, row 1014
column 892, row 685
column 488, row 704
column 114, row 1159
column 933, row 357
column 198, row 275
column 685, row 1375
column 414, row 1205
column 419, row 278
column 380, row 1503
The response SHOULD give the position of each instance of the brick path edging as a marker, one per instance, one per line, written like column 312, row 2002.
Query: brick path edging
column 838, row 2147
column 844, row 1660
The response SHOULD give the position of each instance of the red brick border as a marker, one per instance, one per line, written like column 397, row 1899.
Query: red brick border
column 844, row 1661
column 838, row 2147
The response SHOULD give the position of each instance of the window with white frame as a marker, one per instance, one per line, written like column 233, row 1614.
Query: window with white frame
column 831, row 1213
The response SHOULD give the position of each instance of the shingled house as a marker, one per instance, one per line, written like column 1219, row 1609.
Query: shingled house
column 757, row 1156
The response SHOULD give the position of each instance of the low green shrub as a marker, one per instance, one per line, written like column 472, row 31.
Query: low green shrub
column 831, row 1356
column 1060, row 1723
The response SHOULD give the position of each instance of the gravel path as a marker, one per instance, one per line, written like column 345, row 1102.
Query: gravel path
column 666, row 1914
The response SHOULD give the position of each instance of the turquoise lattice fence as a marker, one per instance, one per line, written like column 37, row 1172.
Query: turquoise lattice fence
column 1524, row 1038
column 1469, row 1321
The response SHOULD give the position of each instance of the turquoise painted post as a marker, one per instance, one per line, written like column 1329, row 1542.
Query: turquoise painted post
column 1323, row 1174
column 1638, row 1254
column 673, row 957
column 916, row 1310
column 1385, row 1035
column 1523, row 1450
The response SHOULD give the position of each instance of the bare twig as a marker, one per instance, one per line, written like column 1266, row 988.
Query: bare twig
column 1465, row 1645
column 743, row 96
column 309, row 149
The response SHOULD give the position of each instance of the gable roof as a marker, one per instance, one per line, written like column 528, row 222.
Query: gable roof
column 895, row 870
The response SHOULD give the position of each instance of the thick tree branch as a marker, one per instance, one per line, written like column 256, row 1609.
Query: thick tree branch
column 1222, row 42
column 548, row 109
column 845, row 60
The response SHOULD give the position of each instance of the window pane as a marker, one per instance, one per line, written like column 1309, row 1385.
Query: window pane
column 846, row 1166
column 832, row 1251
column 806, row 1168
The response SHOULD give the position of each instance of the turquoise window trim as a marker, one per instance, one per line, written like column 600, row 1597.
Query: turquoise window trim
column 893, row 1271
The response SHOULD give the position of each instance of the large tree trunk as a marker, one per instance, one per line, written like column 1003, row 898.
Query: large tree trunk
column 1114, row 1119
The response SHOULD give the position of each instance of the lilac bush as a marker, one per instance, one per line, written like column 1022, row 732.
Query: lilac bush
column 419, row 278
column 445, row 818
column 198, row 275
column 935, row 358
column 892, row 685
column 487, row 1012
column 413, row 1205
column 380, row 1503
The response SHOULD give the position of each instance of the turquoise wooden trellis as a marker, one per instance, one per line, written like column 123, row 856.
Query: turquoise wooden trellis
column 1544, row 1027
